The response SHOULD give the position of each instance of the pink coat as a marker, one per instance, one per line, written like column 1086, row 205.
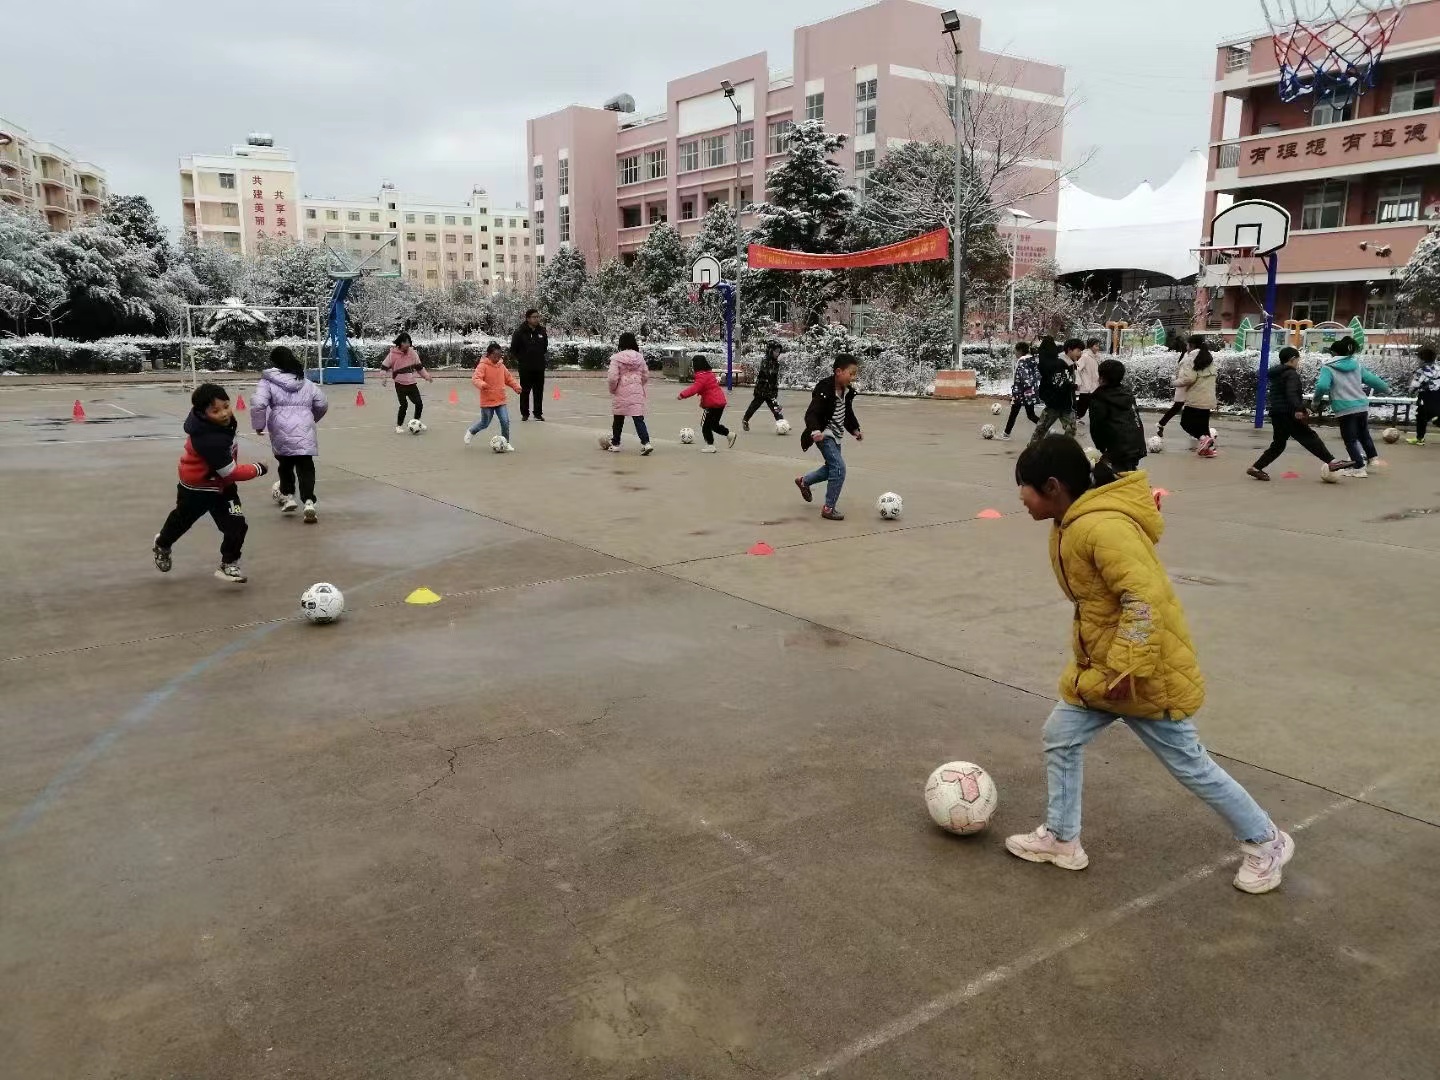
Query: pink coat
column 628, row 379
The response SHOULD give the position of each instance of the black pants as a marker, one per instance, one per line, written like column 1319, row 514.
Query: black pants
column 404, row 394
column 532, row 389
column 757, row 401
column 303, row 467
column 1195, row 422
column 1355, row 431
column 223, row 508
column 1082, row 402
column 712, row 426
column 617, row 425
column 1286, row 427
column 1015, row 407
column 1171, row 413
column 1427, row 410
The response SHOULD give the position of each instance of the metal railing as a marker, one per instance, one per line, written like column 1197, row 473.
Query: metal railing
column 1228, row 156
column 1236, row 58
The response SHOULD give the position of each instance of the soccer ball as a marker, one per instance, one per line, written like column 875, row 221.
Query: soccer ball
column 499, row 445
column 1092, row 455
column 1156, row 444
column 1214, row 438
column 1391, row 435
column 415, row 427
column 961, row 797
column 1329, row 475
column 322, row 603
column 782, row 426
column 890, row 506
column 995, row 409
column 604, row 441
column 988, row 431
column 687, row 435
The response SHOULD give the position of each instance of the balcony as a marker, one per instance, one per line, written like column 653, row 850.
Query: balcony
column 1373, row 144
column 12, row 189
column 1330, row 255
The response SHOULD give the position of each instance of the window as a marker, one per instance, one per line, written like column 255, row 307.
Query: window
column 687, row 209
column 512, row 223
column 712, row 201
column 389, row 206
column 312, row 234
column 332, row 215
column 1380, row 307
column 1324, row 206
column 227, row 181
column 414, row 274
column 524, row 224
column 310, row 214
column 430, row 237
column 352, row 215
column 410, row 256
column 864, row 165
column 654, row 164
column 469, row 256
column 1328, row 113
column 469, row 275
column 689, row 153
column 1313, row 302
column 514, row 258
column 713, row 149
column 409, row 219
column 865, row 94
column 629, row 218
column 499, row 241
column 539, row 235
column 779, row 137
column 375, row 216
column 747, row 144
column 527, row 260
column 466, row 222
column 432, row 256
column 1399, row 200
column 815, row 106
column 230, row 210
column 449, row 256
column 562, row 176
column 1413, row 90
column 630, row 169
column 409, row 237
column 656, row 214
column 449, row 219
column 564, row 224
column 468, row 239
column 432, row 275
column 450, row 238
column 429, row 219
column 526, row 241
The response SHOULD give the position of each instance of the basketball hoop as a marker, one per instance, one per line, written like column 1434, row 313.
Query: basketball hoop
column 1327, row 50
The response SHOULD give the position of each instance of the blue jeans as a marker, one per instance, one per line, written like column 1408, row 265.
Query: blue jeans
column 617, row 425
column 1175, row 742
column 832, row 472
column 1359, row 446
column 487, row 413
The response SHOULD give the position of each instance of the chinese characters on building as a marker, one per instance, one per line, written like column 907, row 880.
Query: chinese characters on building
column 1320, row 146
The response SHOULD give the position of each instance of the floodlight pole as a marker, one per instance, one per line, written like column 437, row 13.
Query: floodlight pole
column 739, row 246
column 950, row 21
column 1262, row 376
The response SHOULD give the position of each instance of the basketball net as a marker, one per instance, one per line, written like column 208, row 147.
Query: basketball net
column 1327, row 49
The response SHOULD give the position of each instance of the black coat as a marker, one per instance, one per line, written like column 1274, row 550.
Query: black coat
column 1057, row 382
column 822, row 408
column 528, row 346
column 767, row 379
column 1284, row 394
column 1116, row 428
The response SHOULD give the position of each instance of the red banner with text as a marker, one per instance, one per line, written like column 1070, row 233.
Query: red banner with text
column 923, row 248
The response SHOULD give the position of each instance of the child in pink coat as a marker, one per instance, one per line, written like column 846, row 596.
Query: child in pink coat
column 628, row 379
column 712, row 400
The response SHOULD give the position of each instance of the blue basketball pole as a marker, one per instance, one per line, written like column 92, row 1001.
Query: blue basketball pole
column 1262, row 377
column 727, row 310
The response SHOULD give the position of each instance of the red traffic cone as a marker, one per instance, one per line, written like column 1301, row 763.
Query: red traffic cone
column 1289, row 476
column 1159, row 494
column 78, row 412
column 760, row 548
column 239, row 402
column 454, row 396
column 989, row 515
column 556, row 395
column 359, row 397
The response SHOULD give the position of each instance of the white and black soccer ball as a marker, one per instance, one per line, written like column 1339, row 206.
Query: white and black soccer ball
column 687, row 435
column 890, row 506
column 322, row 602
column 1092, row 455
column 1156, row 445
column 604, row 441
column 499, row 445
column 1391, row 435
column 1214, row 438
column 995, row 408
column 1329, row 475
column 415, row 427
column 782, row 426
column 988, row 431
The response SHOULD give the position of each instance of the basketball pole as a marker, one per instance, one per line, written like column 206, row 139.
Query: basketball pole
column 1262, row 377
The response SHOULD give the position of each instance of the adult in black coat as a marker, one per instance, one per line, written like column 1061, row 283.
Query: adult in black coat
column 528, row 348
column 1285, row 399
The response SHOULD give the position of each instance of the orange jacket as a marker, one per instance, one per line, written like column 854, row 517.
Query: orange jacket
column 492, row 380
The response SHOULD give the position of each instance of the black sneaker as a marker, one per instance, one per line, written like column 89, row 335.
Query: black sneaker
column 1258, row 474
column 162, row 557
column 745, row 424
column 805, row 492
column 829, row 513
column 540, row 418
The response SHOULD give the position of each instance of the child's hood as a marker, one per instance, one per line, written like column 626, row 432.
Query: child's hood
column 283, row 379
column 197, row 423
column 1343, row 363
column 1130, row 495
column 629, row 358
column 1115, row 394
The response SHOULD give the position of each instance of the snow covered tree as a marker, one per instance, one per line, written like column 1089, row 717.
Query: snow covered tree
column 286, row 274
column 240, row 326
column 30, row 280
column 1418, row 292
column 133, row 218
column 381, row 307
column 662, row 261
column 113, row 287
column 504, row 311
column 218, row 273
column 562, row 283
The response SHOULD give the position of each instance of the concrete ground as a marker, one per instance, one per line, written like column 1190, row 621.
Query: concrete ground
column 631, row 803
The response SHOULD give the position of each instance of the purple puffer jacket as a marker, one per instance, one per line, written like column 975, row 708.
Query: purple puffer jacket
column 287, row 406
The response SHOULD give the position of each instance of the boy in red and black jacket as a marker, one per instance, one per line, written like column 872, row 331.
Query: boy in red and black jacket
column 209, row 472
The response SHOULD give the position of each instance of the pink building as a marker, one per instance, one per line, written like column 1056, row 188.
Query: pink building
column 602, row 177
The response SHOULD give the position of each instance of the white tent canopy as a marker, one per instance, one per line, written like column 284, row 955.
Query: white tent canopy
column 1150, row 229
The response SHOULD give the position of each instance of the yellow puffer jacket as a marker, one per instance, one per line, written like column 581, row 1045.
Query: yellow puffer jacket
column 1127, row 619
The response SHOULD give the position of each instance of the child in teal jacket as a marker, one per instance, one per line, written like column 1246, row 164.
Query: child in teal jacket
column 1344, row 380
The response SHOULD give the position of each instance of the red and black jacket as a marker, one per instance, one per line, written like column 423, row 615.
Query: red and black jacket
column 208, row 462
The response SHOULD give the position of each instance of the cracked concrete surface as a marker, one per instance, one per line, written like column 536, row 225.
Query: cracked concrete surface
column 629, row 803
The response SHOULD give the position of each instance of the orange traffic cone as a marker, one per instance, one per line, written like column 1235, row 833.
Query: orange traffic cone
column 454, row 396
column 760, row 548
column 990, row 515
column 78, row 412
column 239, row 402
column 556, row 396
column 359, row 397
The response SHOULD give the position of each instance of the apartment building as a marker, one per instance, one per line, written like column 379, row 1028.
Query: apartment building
column 1362, row 183
column 601, row 178
column 237, row 199
column 48, row 179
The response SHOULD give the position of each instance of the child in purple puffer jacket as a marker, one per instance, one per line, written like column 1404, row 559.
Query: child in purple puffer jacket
column 288, row 405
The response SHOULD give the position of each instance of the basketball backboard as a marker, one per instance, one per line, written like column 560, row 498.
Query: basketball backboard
column 353, row 253
column 705, row 271
column 1257, row 224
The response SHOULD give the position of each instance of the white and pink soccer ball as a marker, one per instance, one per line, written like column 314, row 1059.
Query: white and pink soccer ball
column 961, row 797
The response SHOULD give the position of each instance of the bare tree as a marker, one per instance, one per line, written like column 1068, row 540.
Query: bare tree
column 15, row 306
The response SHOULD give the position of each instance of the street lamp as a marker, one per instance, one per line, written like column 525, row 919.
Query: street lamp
column 729, row 90
column 950, row 22
column 1016, row 216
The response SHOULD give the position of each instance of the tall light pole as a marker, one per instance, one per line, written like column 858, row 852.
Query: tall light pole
column 950, row 20
column 1016, row 216
column 739, row 232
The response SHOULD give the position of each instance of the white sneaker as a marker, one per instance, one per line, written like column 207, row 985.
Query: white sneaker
column 232, row 573
column 509, row 447
column 469, row 438
column 289, row 506
column 732, row 437
column 1041, row 846
column 1359, row 472
column 311, row 517
column 1004, row 436
column 612, row 448
column 275, row 494
column 708, row 450
column 1260, row 871
column 399, row 429
column 646, row 450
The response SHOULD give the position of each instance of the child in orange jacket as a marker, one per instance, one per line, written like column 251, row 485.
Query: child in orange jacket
column 712, row 400
column 491, row 377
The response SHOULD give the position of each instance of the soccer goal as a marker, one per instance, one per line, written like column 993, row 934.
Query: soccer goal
column 307, row 323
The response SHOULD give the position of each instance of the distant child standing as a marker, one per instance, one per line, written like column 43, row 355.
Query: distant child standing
column 1087, row 376
column 1024, row 387
column 1057, row 385
column 1285, row 401
column 1177, row 345
column 1133, row 659
column 1196, row 378
column 288, row 406
column 491, row 378
column 767, row 386
column 830, row 415
column 1115, row 426
column 628, row 380
column 1344, row 379
column 712, row 400
column 403, row 364
column 1425, row 385
column 209, row 471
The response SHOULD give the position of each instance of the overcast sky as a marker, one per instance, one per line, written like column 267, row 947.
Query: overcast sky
column 434, row 96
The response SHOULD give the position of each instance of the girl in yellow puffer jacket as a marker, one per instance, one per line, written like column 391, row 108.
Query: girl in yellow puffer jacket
column 1132, row 661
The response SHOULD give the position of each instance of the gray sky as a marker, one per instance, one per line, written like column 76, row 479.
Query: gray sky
column 434, row 96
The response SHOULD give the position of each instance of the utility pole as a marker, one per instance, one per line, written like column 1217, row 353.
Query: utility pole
column 739, row 237
column 950, row 20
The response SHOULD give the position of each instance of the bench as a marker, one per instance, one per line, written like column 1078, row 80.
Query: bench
column 1399, row 407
